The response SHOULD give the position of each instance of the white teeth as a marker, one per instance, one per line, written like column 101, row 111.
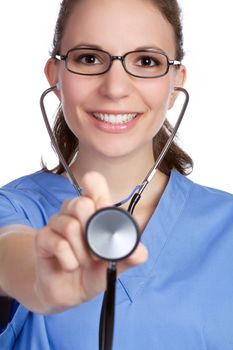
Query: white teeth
column 115, row 118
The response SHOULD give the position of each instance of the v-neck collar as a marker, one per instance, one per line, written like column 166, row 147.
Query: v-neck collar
column 155, row 235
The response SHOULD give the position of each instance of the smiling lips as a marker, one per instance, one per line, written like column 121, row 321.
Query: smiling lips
column 115, row 119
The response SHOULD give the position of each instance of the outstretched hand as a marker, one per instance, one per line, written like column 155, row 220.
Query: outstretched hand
column 67, row 273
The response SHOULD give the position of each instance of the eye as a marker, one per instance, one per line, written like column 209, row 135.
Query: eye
column 148, row 61
column 87, row 59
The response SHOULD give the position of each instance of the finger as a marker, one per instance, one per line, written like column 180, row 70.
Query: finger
column 70, row 229
column 49, row 246
column 79, row 208
column 139, row 256
column 95, row 187
column 66, row 203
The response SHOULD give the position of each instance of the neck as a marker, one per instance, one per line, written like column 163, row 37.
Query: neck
column 123, row 174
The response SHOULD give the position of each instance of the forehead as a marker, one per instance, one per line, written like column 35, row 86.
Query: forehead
column 118, row 26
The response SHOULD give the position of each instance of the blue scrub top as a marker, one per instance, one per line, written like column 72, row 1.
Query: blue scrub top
column 180, row 299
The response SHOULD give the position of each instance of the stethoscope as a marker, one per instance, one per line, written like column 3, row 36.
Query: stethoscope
column 112, row 233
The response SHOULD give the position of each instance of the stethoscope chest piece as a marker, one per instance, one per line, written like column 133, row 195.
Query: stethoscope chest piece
column 112, row 234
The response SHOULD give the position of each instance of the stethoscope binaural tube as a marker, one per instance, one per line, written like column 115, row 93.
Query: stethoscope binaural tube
column 149, row 175
column 112, row 233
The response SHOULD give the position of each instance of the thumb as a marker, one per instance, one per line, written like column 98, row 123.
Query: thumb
column 139, row 256
column 95, row 187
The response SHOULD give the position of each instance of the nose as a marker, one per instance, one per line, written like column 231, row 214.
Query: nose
column 116, row 83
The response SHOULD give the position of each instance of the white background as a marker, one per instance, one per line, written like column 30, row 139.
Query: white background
column 26, row 30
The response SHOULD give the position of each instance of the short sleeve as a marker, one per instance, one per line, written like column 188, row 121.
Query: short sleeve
column 33, row 199
column 10, row 214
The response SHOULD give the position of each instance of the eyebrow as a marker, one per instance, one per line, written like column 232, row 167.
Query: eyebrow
column 93, row 46
column 87, row 45
column 152, row 47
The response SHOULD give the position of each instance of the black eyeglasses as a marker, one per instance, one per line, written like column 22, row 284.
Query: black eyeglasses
column 139, row 63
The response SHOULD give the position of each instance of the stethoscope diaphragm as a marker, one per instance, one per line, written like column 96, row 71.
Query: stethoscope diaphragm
column 112, row 234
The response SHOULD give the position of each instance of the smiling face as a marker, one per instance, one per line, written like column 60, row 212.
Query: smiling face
column 116, row 114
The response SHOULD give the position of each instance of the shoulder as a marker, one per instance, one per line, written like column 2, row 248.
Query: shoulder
column 33, row 181
column 33, row 198
column 41, row 182
column 200, row 193
column 204, row 205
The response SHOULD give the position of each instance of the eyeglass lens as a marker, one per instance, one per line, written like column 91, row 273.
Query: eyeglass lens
column 139, row 63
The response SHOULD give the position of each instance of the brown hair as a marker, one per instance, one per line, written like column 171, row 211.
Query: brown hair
column 67, row 142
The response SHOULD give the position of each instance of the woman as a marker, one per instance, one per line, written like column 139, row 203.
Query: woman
column 116, row 66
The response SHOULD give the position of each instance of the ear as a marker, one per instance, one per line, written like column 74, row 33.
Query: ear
column 179, row 81
column 51, row 72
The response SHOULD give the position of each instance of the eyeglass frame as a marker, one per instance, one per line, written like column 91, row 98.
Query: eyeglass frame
column 120, row 58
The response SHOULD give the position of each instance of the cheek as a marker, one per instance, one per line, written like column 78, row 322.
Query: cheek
column 156, row 96
column 75, row 92
column 156, row 93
